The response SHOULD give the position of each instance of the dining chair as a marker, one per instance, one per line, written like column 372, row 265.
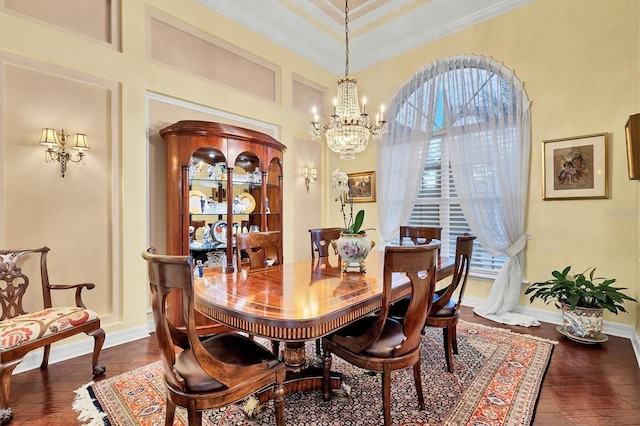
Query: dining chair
column 321, row 246
column 445, row 310
column 209, row 373
column 420, row 234
column 26, row 328
column 260, row 247
column 197, row 224
column 380, row 343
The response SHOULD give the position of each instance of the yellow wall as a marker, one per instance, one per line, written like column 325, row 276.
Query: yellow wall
column 580, row 63
column 101, row 216
column 579, row 60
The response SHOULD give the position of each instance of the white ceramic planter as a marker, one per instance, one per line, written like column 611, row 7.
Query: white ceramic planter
column 353, row 250
column 582, row 322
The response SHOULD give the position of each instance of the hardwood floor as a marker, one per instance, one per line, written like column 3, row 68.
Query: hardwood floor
column 584, row 385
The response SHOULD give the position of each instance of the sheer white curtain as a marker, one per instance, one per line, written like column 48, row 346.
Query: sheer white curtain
column 487, row 116
column 489, row 154
column 403, row 152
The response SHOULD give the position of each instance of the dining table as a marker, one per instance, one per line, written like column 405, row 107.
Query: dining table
column 295, row 303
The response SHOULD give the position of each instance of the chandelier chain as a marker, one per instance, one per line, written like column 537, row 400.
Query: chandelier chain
column 346, row 37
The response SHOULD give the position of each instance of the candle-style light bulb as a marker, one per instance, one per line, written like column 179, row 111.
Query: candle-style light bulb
column 382, row 112
column 364, row 105
column 335, row 104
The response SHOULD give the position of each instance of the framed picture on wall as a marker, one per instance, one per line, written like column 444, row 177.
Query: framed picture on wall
column 575, row 167
column 632, row 135
column 362, row 187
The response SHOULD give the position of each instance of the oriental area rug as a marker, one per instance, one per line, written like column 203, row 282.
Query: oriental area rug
column 496, row 381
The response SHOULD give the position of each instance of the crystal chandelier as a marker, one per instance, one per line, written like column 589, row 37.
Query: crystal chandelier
column 348, row 130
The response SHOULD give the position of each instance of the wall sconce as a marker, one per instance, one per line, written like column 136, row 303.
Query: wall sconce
column 310, row 175
column 57, row 149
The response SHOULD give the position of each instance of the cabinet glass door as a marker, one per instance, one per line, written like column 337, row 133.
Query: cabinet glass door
column 208, row 206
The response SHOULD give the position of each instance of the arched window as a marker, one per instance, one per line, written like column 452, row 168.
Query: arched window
column 457, row 156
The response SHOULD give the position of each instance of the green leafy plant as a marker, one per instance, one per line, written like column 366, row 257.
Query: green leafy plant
column 581, row 289
column 357, row 223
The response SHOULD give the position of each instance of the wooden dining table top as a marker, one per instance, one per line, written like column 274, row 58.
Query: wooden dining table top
column 293, row 302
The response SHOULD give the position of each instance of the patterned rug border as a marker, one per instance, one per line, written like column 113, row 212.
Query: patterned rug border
column 509, row 331
column 485, row 387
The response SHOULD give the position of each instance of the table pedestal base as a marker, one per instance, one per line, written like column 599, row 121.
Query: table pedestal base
column 300, row 377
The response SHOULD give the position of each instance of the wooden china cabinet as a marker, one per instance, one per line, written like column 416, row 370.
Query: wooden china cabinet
column 221, row 180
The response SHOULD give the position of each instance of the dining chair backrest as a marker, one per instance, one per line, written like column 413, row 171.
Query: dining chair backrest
column 419, row 264
column 464, row 250
column 321, row 245
column 259, row 247
column 168, row 274
column 420, row 234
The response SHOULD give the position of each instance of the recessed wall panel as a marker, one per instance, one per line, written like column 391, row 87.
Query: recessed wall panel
column 71, row 214
column 89, row 17
column 183, row 50
column 306, row 96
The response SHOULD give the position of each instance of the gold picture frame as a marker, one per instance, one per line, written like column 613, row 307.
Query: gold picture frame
column 632, row 136
column 575, row 167
column 362, row 187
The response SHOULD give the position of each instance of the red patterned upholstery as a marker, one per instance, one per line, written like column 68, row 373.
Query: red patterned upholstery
column 29, row 327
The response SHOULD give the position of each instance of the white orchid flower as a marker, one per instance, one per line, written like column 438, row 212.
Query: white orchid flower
column 340, row 182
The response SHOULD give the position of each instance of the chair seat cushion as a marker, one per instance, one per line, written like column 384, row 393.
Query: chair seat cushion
column 392, row 335
column 399, row 309
column 447, row 310
column 36, row 325
column 231, row 348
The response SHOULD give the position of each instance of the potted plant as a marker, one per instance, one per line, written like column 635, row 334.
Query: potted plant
column 583, row 299
column 354, row 245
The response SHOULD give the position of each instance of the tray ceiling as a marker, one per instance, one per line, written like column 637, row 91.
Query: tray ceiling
column 378, row 29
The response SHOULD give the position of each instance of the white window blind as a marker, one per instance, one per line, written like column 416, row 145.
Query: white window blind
column 436, row 205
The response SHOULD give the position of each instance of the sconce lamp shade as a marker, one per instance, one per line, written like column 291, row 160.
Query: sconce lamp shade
column 49, row 138
column 57, row 150
column 80, row 141
column 310, row 176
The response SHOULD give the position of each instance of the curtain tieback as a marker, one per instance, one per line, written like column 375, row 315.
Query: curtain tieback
column 518, row 246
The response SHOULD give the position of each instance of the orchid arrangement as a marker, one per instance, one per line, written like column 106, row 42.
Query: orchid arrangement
column 340, row 182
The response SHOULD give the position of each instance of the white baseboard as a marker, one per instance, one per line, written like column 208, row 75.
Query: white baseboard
column 543, row 315
column 63, row 351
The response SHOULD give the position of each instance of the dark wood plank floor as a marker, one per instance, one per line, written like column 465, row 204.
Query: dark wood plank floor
column 585, row 385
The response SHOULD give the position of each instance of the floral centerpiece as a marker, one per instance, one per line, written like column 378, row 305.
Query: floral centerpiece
column 354, row 244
